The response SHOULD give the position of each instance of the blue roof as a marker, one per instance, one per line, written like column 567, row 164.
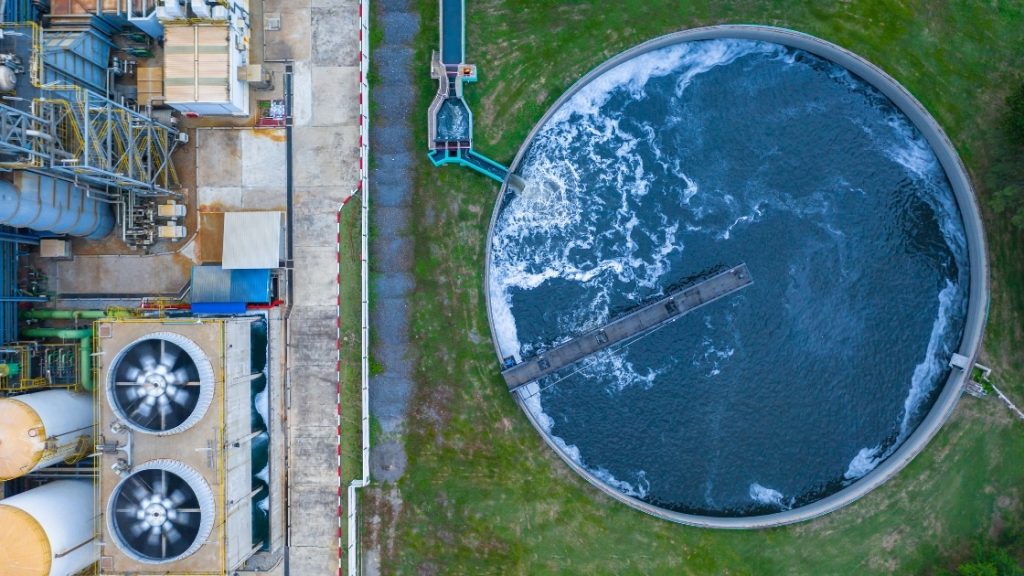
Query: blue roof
column 215, row 284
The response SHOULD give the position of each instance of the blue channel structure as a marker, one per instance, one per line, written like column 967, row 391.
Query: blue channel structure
column 450, row 121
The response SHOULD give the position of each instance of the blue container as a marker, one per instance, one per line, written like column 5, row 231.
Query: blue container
column 215, row 284
column 218, row 308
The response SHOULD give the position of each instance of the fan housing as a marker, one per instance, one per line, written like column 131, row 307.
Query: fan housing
column 160, row 384
column 162, row 512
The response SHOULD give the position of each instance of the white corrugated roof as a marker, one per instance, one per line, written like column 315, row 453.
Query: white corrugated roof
column 252, row 240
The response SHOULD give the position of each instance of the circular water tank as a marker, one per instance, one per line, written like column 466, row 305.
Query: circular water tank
column 160, row 384
column 162, row 512
column 41, row 429
column 48, row 530
column 8, row 79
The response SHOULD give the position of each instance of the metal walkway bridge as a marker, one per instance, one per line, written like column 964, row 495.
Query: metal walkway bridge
column 449, row 119
column 632, row 325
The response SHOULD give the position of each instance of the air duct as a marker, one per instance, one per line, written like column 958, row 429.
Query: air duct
column 50, row 205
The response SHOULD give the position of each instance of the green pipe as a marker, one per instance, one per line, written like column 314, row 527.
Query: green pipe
column 84, row 337
column 50, row 314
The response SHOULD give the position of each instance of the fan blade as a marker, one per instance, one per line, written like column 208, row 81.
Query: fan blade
column 137, row 529
column 147, row 362
column 188, row 517
column 139, row 490
column 154, row 536
column 144, row 409
column 172, row 533
column 178, row 497
column 181, row 396
column 132, row 372
column 180, row 375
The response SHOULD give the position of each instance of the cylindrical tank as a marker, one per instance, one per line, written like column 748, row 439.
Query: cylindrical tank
column 48, row 530
column 41, row 429
column 8, row 79
column 50, row 205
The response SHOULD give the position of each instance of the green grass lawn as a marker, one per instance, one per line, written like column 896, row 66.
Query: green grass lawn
column 484, row 495
column 348, row 267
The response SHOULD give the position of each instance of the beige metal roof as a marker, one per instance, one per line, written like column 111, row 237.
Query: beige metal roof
column 197, row 63
column 251, row 240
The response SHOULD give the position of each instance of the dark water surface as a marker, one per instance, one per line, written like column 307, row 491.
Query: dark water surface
column 704, row 155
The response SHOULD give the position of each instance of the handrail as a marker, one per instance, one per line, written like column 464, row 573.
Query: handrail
column 363, row 188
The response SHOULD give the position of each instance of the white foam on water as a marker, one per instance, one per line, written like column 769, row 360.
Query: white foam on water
column 264, row 475
column 712, row 355
column 926, row 373
column 913, row 153
column 262, row 402
column 690, row 191
column 768, row 497
column 924, row 379
column 636, row 490
column 864, row 462
column 625, row 374
column 531, row 399
column 756, row 212
column 694, row 58
column 540, row 234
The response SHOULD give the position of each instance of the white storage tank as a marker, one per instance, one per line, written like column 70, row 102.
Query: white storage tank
column 41, row 429
column 48, row 530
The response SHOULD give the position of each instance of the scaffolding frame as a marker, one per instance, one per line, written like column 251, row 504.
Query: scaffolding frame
column 80, row 135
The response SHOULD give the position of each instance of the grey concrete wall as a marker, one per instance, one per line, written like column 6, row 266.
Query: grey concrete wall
column 979, row 273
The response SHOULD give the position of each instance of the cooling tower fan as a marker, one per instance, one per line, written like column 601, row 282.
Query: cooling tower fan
column 161, row 384
column 161, row 512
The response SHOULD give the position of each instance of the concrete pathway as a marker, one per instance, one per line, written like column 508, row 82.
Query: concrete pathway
column 392, row 145
column 393, row 149
column 321, row 40
column 391, row 140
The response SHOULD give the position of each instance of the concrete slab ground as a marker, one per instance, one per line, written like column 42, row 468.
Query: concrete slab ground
column 120, row 276
column 320, row 40
column 244, row 169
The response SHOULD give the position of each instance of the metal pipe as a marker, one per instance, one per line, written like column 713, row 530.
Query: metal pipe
column 84, row 337
column 54, row 314
column 23, row 298
column 73, row 548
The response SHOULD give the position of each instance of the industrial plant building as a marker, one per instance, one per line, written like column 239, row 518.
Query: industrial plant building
column 148, row 274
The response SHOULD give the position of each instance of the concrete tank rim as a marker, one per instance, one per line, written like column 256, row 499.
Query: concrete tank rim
column 970, row 213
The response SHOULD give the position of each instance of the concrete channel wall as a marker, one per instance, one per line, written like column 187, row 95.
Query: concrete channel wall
column 977, row 309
